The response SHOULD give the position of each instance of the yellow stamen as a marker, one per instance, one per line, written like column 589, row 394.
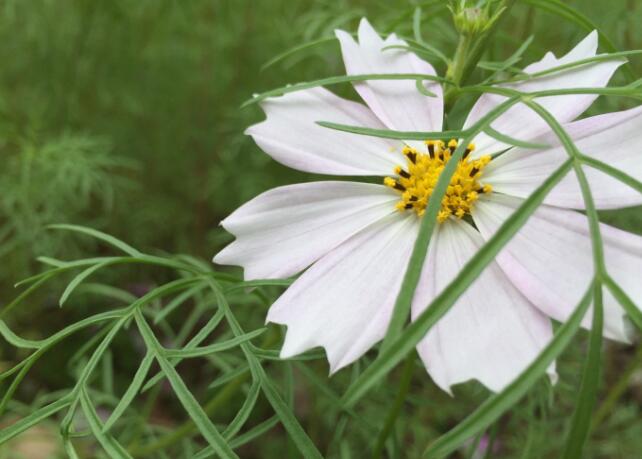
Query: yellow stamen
column 389, row 181
column 417, row 181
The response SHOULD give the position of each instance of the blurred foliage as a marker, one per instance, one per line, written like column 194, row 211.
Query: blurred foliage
column 158, row 83
column 124, row 115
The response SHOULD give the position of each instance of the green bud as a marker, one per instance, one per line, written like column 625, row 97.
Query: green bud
column 475, row 20
column 471, row 20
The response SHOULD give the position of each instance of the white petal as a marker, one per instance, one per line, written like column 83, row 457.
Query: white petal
column 291, row 135
column 344, row 301
column 397, row 103
column 550, row 260
column 520, row 121
column 613, row 138
column 492, row 333
column 283, row 231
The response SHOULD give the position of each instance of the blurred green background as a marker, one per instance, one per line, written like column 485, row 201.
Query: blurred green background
column 123, row 115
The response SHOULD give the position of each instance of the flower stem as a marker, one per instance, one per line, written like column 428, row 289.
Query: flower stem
column 188, row 427
column 455, row 71
column 395, row 409
column 471, row 46
column 139, row 427
column 617, row 390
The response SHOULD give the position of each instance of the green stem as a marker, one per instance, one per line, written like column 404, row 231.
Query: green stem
column 580, row 423
column 491, row 441
column 480, row 43
column 395, row 409
column 456, row 69
column 580, row 429
column 617, row 390
column 142, row 420
column 469, row 50
column 188, row 427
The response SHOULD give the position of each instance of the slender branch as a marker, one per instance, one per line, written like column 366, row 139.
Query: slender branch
column 617, row 390
column 397, row 405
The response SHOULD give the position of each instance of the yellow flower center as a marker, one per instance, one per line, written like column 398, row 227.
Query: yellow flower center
column 417, row 181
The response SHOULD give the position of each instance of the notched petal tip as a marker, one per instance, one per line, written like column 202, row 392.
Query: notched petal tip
column 223, row 257
column 333, row 368
column 367, row 32
column 288, row 352
column 592, row 40
column 295, row 345
column 448, row 388
column 251, row 130
column 343, row 35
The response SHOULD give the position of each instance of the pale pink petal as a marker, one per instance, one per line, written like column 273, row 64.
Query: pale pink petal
column 291, row 135
column 550, row 259
column 283, row 231
column 521, row 122
column 397, row 103
column 613, row 138
column 344, row 301
column 492, row 333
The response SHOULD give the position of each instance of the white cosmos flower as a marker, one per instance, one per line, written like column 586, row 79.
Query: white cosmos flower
column 355, row 241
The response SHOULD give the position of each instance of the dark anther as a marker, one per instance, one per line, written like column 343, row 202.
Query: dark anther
column 473, row 171
column 399, row 186
column 404, row 174
column 413, row 198
column 412, row 156
column 431, row 150
column 408, row 206
column 466, row 153
column 480, row 189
